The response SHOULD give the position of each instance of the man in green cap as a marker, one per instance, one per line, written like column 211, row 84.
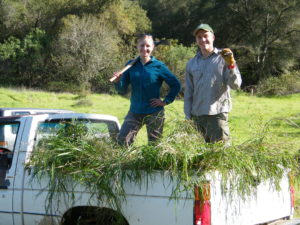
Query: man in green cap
column 209, row 77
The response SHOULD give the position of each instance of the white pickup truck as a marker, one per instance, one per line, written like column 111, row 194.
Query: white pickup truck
column 23, row 201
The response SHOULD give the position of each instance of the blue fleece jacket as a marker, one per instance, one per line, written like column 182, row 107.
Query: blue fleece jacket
column 146, row 81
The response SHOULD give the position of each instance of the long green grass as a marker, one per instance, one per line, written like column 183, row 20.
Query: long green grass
column 104, row 167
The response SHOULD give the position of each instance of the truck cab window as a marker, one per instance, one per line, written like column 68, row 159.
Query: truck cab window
column 97, row 128
column 8, row 135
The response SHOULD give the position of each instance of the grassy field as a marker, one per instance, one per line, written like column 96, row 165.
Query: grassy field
column 248, row 117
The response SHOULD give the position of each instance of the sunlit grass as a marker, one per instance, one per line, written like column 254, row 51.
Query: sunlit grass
column 248, row 116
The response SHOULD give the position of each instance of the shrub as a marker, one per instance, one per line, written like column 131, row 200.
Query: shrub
column 175, row 56
column 285, row 84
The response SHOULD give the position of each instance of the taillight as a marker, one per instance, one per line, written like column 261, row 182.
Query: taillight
column 197, row 207
column 292, row 193
column 202, row 210
column 197, row 212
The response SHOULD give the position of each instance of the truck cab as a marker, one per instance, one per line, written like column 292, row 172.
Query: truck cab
column 9, row 131
column 21, row 201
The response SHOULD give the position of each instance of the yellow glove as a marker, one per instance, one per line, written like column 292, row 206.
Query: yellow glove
column 228, row 56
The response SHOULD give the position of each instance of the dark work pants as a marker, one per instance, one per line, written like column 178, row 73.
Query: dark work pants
column 133, row 123
column 214, row 128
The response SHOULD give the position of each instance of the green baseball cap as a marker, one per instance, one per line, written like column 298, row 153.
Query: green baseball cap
column 203, row 26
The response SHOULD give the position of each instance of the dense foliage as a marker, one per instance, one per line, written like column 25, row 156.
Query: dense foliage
column 65, row 45
column 103, row 167
column 75, row 45
column 284, row 84
column 263, row 34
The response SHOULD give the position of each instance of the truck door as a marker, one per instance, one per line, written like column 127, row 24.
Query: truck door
column 30, row 196
column 10, row 139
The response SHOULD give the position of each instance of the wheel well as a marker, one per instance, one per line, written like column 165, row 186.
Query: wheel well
column 91, row 215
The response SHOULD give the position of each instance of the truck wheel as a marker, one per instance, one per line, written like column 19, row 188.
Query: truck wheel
column 93, row 216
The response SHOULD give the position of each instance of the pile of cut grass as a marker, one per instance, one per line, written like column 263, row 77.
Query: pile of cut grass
column 104, row 167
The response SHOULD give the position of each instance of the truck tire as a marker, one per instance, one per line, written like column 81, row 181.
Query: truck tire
column 93, row 216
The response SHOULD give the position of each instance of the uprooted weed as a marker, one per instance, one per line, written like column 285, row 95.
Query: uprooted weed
column 103, row 167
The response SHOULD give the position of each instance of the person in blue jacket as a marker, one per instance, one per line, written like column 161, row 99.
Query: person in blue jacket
column 145, row 77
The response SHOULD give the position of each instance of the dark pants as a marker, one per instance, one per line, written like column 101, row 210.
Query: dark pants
column 214, row 128
column 133, row 123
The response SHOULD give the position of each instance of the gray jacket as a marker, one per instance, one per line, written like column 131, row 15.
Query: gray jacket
column 207, row 85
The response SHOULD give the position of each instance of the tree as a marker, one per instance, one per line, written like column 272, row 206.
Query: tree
column 84, row 48
column 82, row 43
column 23, row 58
column 170, row 18
column 268, row 28
column 18, row 17
column 88, row 49
column 264, row 33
